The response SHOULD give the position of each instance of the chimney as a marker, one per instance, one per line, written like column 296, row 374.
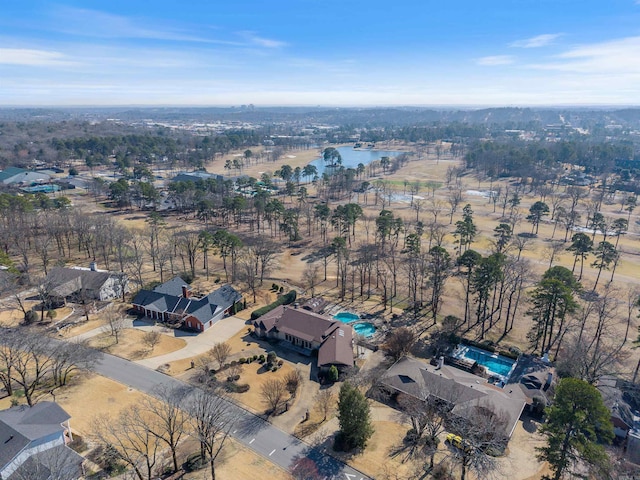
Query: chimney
column 440, row 363
column 296, row 305
column 185, row 291
column 93, row 266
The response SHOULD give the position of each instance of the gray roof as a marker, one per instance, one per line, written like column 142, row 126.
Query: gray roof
column 9, row 172
column 168, row 298
column 55, row 463
column 21, row 425
column 67, row 281
column 172, row 287
column 461, row 389
column 19, row 175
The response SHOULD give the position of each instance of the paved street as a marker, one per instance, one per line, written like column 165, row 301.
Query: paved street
column 259, row 435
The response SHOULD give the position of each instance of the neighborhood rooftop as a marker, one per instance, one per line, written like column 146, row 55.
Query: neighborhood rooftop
column 463, row 390
column 332, row 338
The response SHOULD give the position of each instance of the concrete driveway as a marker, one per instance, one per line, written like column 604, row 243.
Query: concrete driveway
column 197, row 343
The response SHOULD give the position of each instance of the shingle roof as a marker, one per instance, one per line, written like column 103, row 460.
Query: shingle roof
column 10, row 172
column 168, row 298
column 335, row 347
column 21, row 425
column 60, row 461
column 171, row 287
column 67, row 281
column 12, row 443
column 462, row 389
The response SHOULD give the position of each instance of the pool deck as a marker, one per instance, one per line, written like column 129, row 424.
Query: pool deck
column 461, row 350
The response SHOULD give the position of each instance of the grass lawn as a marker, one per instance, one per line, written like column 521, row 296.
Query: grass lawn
column 131, row 345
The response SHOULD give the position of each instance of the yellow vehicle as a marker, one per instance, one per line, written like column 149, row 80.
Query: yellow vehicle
column 456, row 441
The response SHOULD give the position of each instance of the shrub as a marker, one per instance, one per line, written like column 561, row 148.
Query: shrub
column 274, row 369
column 242, row 360
column 333, row 374
column 255, row 357
column 30, row 317
column 272, row 357
column 73, row 171
column 282, row 300
column 274, row 287
column 261, row 357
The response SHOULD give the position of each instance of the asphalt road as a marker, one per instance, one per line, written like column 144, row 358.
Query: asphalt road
column 254, row 432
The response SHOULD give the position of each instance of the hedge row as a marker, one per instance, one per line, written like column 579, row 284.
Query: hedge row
column 282, row 300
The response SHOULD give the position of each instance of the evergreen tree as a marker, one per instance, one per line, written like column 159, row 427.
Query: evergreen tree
column 552, row 300
column 577, row 424
column 354, row 416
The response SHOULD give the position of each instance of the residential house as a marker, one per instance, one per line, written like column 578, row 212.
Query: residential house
column 462, row 391
column 33, row 444
column 88, row 283
column 173, row 302
column 309, row 332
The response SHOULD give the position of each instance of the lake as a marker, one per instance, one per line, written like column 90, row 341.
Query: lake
column 351, row 158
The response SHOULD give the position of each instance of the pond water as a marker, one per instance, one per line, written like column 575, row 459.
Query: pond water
column 351, row 158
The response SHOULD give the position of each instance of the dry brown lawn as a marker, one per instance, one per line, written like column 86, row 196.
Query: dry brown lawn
column 131, row 344
column 255, row 375
column 92, row 395
column 378, row 459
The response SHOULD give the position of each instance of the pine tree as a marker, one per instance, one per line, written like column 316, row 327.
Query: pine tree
column 577, row 424
column 355, row 418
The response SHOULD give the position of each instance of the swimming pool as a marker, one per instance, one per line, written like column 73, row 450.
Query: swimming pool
column 347, row 317
column 495, row 364
column 364, row 329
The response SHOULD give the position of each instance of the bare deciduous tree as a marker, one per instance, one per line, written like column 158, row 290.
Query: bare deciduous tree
column 211, row 421
column 311, row 277
column 325, row 402
column 167, row 419
column 399, row 342
column 273, row 392
column 114, row 322
column 69, row 357
column 151, row 339
column 129, row 438
column 220, row 352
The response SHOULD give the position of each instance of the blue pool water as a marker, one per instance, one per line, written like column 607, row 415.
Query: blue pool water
column 346, row 317
column 495, row 364
column 365, row 329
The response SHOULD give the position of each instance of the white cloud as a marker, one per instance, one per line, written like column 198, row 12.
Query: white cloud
column 495, row 60
column 261, row 41
column 537, row 41
column 612, row 58
column 31, row 57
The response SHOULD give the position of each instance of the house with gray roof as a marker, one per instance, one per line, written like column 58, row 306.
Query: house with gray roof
column 309, row 332
column 173, row 302
column 90, row 283
column 33, row 443
column 462, row 391
column 20, row 176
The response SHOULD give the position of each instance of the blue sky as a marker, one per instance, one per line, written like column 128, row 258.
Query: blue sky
column 320, row 52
